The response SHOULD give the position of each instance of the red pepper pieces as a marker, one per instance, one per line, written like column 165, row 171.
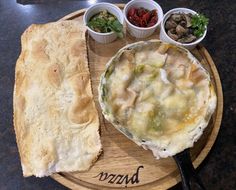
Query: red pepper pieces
column 142, row 17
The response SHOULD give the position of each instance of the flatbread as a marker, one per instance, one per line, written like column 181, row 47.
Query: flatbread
column 55, row 118
column 158, row 95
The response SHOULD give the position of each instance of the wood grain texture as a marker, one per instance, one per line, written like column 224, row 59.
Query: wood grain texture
column 120, row 155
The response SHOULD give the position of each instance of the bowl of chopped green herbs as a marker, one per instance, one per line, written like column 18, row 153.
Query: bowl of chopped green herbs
column 183, row 27
column 104, row 22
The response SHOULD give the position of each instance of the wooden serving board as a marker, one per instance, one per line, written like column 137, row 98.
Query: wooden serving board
column 123, row 164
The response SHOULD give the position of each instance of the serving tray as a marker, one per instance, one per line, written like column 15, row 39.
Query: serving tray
column 123, row 164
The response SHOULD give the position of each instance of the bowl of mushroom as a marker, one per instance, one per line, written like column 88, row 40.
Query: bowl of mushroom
column 183, row 27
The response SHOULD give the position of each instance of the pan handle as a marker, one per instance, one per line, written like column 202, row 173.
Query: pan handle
column 189, row 176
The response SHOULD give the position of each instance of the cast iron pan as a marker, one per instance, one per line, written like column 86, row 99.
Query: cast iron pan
column 190, row 179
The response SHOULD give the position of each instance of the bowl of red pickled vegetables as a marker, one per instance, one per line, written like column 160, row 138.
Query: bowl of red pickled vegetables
column 142, row 17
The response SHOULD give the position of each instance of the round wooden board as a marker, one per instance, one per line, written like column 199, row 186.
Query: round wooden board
column 123, row 164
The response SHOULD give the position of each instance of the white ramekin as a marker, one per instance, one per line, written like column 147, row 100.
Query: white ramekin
column 94, row 9
column 164, row 37
column 140, row 32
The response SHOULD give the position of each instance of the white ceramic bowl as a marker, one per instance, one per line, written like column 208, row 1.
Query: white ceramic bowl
column 164, row 37
column 140, row 32
column 98, row 7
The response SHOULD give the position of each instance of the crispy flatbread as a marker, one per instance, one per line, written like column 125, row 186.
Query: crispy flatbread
column 55, row 118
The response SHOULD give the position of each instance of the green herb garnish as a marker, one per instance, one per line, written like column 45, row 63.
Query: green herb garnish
column 139, row 69
column 109, row 72
column 199, row 23
column 104, row 93
column 105, row 22
column 154, row 122
column 116, row 27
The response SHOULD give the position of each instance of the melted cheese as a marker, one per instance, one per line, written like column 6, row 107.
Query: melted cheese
column 170, row 93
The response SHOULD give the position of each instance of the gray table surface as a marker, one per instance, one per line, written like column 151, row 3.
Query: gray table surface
column 218, row 171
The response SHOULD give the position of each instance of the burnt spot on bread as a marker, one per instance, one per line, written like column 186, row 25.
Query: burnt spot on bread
column 81, row 110
column 38, row 51
column 54, row 75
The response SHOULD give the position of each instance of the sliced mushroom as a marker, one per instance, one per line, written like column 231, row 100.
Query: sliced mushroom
column 176, row 17
column 188, row 20
column 183, row 23
column 180, row 30
column 187, row 39
column 190, row 31
column 178, row 27
column 173, row 30
column 173, row 36
column 170, row 24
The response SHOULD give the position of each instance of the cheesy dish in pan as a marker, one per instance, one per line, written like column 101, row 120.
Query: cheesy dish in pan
column 158, row 95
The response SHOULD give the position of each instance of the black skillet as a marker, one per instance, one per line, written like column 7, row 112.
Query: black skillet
column 190, row 179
